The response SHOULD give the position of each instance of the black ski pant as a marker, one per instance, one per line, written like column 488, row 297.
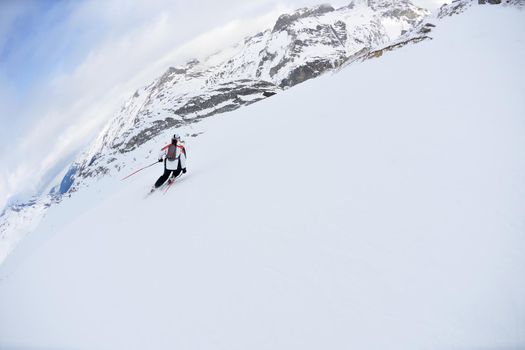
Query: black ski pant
column 166, row 175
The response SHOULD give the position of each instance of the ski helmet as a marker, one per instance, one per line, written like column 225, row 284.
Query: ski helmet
column 175, row 138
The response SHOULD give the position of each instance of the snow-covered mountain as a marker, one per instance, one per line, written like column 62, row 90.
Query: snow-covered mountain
column 300, row 46
column 377, row 208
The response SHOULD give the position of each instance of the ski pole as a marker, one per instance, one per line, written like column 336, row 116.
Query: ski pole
column 133, row 173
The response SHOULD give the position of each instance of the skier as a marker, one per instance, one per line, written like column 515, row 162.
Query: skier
column 174, row 157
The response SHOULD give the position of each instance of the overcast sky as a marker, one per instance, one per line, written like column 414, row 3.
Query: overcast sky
column 67, row 66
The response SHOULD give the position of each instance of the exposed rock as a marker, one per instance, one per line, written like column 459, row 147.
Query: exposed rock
column 286, row 20
column 456, row 7
column 307, row 71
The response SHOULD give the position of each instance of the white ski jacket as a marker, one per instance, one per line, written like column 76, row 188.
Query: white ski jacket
column 180, row 156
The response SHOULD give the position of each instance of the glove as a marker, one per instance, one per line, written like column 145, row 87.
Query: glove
column 160, row 160
column 184, row 171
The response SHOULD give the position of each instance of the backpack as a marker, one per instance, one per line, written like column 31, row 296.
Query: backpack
column 172, row 152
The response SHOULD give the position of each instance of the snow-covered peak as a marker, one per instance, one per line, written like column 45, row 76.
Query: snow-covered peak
column 286, row 20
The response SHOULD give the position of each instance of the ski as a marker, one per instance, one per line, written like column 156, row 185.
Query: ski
column 164, row 187
column 153, row 190
column 170, row 182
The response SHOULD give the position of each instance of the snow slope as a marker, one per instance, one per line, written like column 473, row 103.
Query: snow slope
column 378, row 208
